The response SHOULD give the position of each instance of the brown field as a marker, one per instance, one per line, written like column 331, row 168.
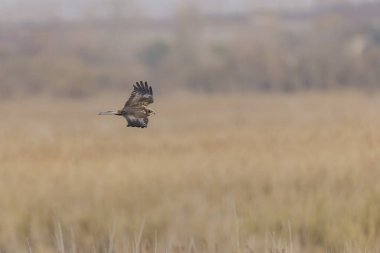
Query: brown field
column 238, row 173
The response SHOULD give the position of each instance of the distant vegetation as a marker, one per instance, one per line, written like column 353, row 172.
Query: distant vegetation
column 337, row 49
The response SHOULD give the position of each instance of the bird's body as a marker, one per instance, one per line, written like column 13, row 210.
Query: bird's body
column 135, row 110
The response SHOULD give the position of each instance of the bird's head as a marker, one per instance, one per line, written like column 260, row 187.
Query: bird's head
column 150, row 111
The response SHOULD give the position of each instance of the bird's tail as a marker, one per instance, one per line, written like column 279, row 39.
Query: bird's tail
column 109, row 113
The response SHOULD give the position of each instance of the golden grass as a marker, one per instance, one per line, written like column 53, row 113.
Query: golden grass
column 298, row 173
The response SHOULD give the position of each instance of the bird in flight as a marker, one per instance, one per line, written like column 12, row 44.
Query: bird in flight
column 136, row 110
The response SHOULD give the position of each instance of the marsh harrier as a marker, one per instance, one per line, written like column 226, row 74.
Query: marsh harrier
column 136, row 110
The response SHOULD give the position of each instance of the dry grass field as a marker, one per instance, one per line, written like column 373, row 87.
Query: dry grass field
column 237, row 173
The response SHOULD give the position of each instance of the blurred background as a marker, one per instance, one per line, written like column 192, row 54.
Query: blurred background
column 78, row 48
column 266, row 137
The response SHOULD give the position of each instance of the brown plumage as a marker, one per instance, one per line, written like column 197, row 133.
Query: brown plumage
column 136, row 110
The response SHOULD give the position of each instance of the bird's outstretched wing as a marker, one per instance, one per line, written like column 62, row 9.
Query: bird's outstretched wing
column 142, row 94
column 137, row 122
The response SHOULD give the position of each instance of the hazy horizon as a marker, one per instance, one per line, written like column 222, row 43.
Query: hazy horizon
column 26, row 10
